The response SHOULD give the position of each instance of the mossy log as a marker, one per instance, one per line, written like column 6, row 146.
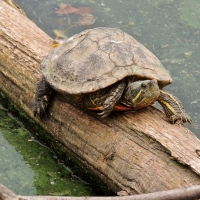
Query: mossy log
column 135, row 152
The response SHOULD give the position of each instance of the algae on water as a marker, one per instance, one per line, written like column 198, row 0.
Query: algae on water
column 28, row 168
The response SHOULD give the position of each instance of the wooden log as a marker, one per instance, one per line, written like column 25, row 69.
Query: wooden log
column 189, row 193
column 135, row 152
column 15, row 6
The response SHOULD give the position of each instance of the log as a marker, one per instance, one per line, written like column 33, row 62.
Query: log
column 189, row 193
column 15, row 6
column 135, row 152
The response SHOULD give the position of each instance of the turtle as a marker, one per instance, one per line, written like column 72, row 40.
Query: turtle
column 106, row 69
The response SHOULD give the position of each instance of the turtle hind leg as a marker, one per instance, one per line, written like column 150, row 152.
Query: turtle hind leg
column 42, row 97
column 114, row 96
column 173, row 108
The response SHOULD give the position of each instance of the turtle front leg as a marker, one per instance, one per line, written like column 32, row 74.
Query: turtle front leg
column 114, row 96
column 173, row 108
column 42, row 97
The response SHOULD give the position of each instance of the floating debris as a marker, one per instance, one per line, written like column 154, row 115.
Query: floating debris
column 87, row 20
column 188, row 54
column 62, row 5
column 164, row 46
column 195, row 101
column 60, row 38
column 65, row 9
column 59, row 33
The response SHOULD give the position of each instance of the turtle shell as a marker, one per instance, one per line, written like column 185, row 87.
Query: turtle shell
column 97, row 58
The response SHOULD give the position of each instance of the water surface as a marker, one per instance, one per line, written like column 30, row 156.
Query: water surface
column 28, row 167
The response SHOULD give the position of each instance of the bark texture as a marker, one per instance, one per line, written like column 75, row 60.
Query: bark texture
column 135, row 152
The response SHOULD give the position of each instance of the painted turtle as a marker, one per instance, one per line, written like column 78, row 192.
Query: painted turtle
column 106, row 69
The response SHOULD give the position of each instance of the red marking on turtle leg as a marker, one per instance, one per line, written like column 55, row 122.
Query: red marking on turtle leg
column 118, row 107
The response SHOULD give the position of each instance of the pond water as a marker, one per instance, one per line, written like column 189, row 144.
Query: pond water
column 28, row 167
column 168, row 28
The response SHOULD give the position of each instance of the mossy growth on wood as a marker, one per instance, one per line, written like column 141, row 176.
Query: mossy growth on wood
column 63, row 153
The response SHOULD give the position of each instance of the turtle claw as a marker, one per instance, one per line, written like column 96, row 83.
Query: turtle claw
column 103, row 114
column 183, row 117
column 40, row 106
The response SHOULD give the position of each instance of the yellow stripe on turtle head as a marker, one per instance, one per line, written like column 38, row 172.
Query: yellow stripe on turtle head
column 137, row 96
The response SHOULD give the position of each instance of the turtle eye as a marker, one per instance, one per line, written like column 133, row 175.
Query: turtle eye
column 143, row 85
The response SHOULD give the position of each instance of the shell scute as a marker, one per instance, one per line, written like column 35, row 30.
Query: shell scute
column 97, row 58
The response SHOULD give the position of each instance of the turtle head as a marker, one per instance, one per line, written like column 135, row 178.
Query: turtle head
column 140, row 94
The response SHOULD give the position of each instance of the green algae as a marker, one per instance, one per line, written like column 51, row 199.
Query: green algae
column 47, row 157
column 28, row 168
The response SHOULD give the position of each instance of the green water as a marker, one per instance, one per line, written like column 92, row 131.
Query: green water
column 168, row 28
column 29, row 168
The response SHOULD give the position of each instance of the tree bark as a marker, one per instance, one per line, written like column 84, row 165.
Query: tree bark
column 135, row 152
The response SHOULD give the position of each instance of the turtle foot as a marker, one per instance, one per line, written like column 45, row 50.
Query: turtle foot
column 183, row 117
column 106, row 111
column 40, row 106
column 104, row 114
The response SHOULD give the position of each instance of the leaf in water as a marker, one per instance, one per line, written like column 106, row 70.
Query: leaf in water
column 87, row 20
column 65, row 9
column 59, row 33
